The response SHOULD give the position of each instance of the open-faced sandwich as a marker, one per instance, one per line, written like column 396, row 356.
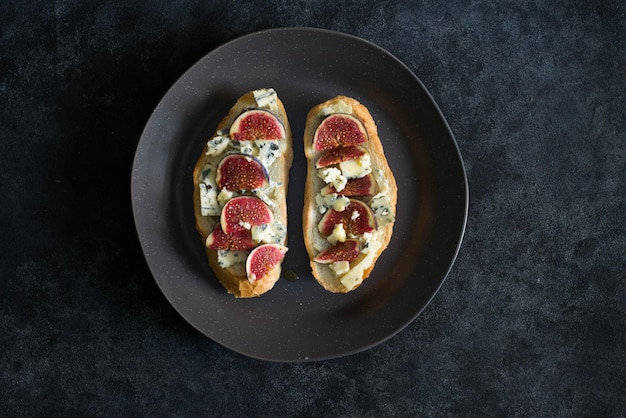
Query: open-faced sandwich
column 240, row 187
column 350, row 194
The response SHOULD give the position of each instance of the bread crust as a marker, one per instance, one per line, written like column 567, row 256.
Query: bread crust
column 311, row 215
column 234, row 278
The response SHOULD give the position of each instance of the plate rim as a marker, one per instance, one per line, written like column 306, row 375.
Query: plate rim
column 432, row 102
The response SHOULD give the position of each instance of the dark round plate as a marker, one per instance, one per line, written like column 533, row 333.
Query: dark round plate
column 299, row 321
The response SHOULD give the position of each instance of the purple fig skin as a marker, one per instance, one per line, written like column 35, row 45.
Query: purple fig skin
column 349, row 250
column 257, row 124
column 244, row 209
column 241, row 172
column 365, row 222
column 338, row 155
column 264, row 259
column 339, row 130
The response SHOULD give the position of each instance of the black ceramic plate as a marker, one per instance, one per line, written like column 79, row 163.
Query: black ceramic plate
column 299, row 321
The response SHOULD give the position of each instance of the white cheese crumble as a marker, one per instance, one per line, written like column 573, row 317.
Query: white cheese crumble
column 332, row 175
column 217, row 144
column 262, row 233
column 339, row 203
column 280, row 232
column 338, row 234
column 275, row 233
column 333, row 200
column 321, row 204
column 366, row 239
column 246, row 147
column 339, row 107
column 356, row 168
column 382, row 210
column 208, row 201
column 224, row 196
column 245, row 224
column 267, row 151
column 381, row 181
column 227, row 258
column 353, row 277
column 208, row 192
column 264, row 197
column 208, row 175
column 339, row 267
column 380, row 203
column 266, row 98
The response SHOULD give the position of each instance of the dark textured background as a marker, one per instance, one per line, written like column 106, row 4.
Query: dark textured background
column 530, row 322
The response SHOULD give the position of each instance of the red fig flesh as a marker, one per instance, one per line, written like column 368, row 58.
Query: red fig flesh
column 244, row 212
column 337, row 155
column 357, row 218
column 342, row 251
column 256, row 124
column 359, row 187
column 263, row 259
column 241, row 172
column 339, row 130
column 236, row 241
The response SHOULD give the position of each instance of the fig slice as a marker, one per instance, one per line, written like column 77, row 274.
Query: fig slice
column 357, row 218
column 339, row 130
column 244, row 212
column 263, row 261
column 338, row 155
column 236, row 241
column 348, row 250
column 256, row 124
column 359, row 187
column 241, row 172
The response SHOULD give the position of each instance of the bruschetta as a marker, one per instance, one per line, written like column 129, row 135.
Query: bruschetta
column 350, row 194
column 240, row 187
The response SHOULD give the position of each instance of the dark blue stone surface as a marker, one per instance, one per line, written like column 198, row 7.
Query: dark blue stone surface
column 531, row 320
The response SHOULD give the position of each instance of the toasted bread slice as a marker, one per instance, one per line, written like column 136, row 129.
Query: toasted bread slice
column 276, row 157
column 342, row 277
